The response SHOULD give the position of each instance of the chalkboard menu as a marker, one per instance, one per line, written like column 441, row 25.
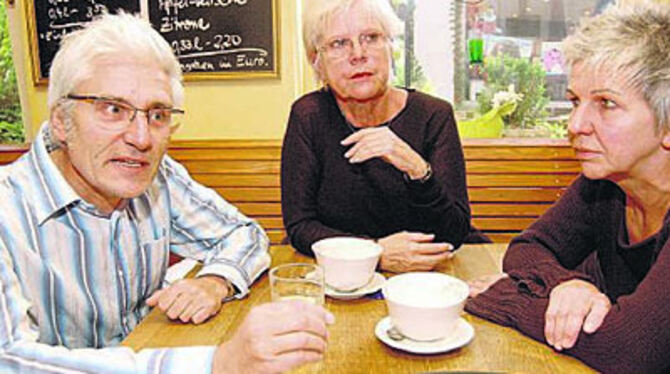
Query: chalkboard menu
column 220, row 38
column 212, row 39
column 50, row 20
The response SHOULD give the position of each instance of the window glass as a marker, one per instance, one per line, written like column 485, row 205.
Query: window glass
column 11, row 126
column 498, row 61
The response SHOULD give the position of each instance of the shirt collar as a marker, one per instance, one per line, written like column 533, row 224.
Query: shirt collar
column 57, row 192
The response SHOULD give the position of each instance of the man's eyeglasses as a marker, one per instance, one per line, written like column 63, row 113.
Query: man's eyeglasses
column 342, row 47
column 117, row 115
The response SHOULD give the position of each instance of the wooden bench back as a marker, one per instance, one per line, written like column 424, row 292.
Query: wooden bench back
column 510, row 182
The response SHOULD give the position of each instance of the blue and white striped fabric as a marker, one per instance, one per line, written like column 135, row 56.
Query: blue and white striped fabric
column 74, row 281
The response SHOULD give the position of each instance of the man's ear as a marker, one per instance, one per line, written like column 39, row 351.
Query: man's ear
column 57, row 123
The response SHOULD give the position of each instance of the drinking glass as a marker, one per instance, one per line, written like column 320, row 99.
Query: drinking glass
column 297, row 282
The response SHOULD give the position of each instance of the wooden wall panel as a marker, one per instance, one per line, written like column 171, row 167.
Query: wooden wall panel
column 237, row 180
column 511, row 182
column 520, row 180
column 9, row 153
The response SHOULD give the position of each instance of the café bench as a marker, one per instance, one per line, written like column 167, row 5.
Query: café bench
column 510, row 181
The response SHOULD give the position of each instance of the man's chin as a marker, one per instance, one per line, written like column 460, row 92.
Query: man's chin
column 131, row 191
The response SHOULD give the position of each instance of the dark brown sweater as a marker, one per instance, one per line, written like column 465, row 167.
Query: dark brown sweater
column 323, row 195
column 584, row 236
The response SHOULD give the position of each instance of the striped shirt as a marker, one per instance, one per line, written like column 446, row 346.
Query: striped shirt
column 74, row 281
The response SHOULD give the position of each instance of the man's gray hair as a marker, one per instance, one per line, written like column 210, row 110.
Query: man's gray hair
column 110, row 37
column 631, row 38
column 318, row 14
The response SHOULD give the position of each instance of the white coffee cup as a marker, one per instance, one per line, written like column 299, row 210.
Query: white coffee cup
column 425, row 306
column 348, row 263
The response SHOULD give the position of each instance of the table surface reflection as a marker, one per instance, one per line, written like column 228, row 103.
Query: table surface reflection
column 353, row 347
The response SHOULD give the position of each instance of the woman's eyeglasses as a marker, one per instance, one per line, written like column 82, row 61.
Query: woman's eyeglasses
column 342, row 47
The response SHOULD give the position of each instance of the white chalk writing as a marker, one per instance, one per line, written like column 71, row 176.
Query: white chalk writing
column 66, row 16
column 244, row 60
column 197, row 66
column 172, row 7
column 219, row 42
column 207, row 39
column 236, row 59
column 169, row 24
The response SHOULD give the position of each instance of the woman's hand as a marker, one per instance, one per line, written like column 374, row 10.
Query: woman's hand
column 412, row 251
column 482, row 284
column 383, row 143
column 574, row 305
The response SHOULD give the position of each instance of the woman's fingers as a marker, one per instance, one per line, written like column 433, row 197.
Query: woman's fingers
column 601, row 306
column 574, row 306
column 417, row 236
column 572, row 325
column 380, row 142
column 430, row 248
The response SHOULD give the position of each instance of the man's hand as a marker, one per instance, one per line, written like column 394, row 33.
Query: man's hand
column 574, row 305
column 383, row 143
column 412, row 251
column 192, row 300
column 482, row 284
column 275, row 338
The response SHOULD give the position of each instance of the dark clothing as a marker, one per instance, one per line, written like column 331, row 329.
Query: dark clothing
column 323, row 195
column 588, row 223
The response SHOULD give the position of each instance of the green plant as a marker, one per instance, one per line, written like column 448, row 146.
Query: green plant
column 11, row 132
column 557, row 129
column 11, row 127
column 527, row 78
column 419, row 80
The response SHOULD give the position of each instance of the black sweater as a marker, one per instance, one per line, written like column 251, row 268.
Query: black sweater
column 323, row 195
column 584, row 236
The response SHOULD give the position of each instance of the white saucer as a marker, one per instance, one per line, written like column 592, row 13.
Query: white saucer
column 462, row 335
column 373, row 286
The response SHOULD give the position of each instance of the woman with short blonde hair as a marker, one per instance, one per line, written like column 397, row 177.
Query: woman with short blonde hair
column 589, row 278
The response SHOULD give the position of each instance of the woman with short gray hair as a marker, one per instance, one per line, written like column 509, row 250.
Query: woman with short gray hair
column 589, row 278
column 364, row 158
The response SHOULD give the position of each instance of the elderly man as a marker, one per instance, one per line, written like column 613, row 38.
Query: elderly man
column 90, row 214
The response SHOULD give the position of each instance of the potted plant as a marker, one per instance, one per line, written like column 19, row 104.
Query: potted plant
column 528, row 79
column 490, row 124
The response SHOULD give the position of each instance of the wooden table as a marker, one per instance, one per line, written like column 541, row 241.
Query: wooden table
column 353, row 347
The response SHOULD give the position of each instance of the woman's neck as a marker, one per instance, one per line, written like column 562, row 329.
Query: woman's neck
column 374, row 111
column 646, row 206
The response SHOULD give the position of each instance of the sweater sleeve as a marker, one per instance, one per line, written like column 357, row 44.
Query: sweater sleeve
column 299, row 186
column 561, row 239
column 442, row 200
column 634, row 337
column 635, row 334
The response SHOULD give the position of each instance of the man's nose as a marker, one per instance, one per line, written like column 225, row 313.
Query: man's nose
column 138, row 132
